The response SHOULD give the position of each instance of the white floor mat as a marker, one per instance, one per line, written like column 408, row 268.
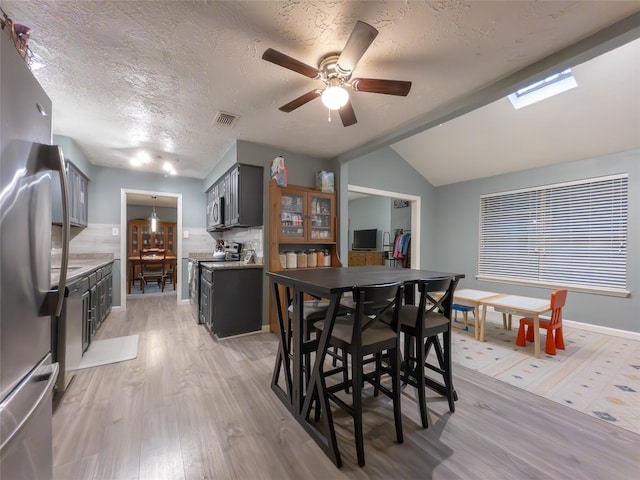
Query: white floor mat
column 112, row 350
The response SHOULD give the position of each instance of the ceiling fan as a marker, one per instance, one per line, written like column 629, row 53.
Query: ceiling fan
column 334, row 70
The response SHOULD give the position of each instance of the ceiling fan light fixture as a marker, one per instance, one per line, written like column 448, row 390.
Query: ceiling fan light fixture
column 334, row 97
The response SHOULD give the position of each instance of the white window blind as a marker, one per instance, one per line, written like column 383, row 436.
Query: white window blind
column 571, row 234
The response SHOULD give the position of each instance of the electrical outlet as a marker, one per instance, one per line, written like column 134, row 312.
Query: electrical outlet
column 185, row 234
column 115, row 231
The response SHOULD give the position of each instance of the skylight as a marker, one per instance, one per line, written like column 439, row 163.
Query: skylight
column 542, row 89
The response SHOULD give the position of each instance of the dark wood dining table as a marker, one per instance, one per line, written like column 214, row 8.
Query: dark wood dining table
column 135, row 261
column 328, row 283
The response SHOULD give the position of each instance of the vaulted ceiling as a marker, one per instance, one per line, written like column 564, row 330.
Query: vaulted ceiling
column 126, row 75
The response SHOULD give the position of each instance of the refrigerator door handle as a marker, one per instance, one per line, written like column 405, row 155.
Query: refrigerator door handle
column 50, row 157
column 18, row 407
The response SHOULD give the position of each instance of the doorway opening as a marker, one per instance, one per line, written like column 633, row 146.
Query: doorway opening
column 414, row 202
column 138, row 207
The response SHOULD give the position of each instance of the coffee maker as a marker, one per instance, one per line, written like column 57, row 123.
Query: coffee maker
column 232, row 251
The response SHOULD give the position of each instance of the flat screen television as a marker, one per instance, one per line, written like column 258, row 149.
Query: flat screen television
column 365, row 239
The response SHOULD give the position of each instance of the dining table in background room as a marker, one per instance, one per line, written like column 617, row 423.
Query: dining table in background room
column 134, row 262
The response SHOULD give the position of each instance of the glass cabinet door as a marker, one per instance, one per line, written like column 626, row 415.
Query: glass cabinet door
column 292, row 216
column 145, row 236
column 169, row 246
column 321, row 212
column 158, row 238
column 134, row 240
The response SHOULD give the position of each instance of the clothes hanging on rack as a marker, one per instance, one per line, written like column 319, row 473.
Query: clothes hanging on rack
column 397, row 250
column 402, row 245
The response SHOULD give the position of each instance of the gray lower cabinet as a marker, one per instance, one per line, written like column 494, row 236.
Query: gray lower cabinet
column 86, row 321
column 206, row 278
column 96, row 302
column 233, row 300
column 88, row 299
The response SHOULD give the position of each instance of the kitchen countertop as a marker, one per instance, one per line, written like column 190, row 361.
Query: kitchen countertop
column 78, row 268
column 230, row 265
column 200, row 259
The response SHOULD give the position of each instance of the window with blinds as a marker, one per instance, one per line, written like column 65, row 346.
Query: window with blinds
column 570, row 234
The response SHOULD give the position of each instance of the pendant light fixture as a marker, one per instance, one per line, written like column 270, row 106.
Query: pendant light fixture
column 154, row 216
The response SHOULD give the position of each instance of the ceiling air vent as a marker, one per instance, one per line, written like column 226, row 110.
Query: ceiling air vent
column 225, row 119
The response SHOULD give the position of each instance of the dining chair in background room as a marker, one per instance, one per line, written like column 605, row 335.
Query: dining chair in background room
column 422, row 324
column 170, row 273
column 360, row 334
column 552, row 325
column 152, row 263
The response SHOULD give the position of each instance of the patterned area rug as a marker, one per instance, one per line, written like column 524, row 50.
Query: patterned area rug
column 151, row 289
column 597, row 374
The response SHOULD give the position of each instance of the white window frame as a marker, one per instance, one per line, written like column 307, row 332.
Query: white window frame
column 572, row 235
column 552, row 85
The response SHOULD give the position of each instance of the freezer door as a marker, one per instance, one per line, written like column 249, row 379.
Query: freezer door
column 26, row 161
column 25, row 426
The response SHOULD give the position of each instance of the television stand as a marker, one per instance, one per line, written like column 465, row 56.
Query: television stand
column 360, row 258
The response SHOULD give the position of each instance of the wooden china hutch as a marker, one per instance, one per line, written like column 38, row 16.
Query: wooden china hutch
column 302, row 219
column 140, row 236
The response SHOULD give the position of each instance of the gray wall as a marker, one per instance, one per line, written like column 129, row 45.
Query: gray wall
column 386, row 170
column 105, row 185
column 449, row 237
column 370, row 212
column 104, row 201
column 300, row 169
column 71, row 151
column 400, row 219
column 143, row 212
column 104, row 193
column 450, row 214
column 456, row 239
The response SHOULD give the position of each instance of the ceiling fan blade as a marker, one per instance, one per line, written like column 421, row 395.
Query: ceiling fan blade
column 298, row 102
column 374, row 85
column 347, row 115
column 273, row 56
column 361, row 37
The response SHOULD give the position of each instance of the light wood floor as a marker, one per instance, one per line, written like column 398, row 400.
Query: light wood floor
column 190, row 407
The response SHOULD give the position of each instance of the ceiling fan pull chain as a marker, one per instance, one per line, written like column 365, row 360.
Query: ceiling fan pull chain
column 329, row 113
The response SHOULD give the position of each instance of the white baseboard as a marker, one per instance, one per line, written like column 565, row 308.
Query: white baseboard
column 615, row 332
column 265, row 329
column 184, row 302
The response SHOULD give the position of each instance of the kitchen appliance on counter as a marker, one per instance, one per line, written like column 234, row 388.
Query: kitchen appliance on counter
column 219, row 254
column 232, row 251
column 27, row 302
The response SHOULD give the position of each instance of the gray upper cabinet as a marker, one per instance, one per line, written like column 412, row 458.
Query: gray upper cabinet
column 78, row 184
column 238, row 194
column 213, row 211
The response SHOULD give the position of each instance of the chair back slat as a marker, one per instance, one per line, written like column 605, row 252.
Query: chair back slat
column 558, row 300
column 436, row 297
column 372, row 302
column 153, row 266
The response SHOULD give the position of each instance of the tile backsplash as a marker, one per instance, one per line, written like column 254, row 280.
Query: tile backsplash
column 99, row 238
column 96, row 238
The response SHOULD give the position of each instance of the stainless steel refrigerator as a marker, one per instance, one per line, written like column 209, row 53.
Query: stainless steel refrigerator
column 27, row 299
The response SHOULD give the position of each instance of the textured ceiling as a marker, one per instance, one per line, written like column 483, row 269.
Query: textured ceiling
column 129, row 74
